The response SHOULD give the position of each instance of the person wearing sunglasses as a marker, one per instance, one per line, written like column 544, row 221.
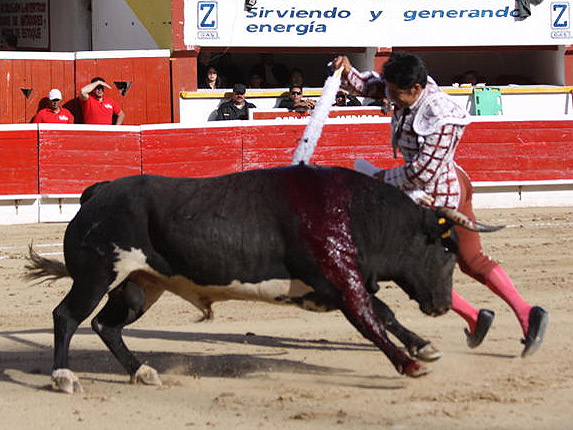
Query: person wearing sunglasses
column 97, row 108
column 295, row 101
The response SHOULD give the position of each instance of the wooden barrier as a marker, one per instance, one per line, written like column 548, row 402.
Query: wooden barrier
column 75, row 157
column 55, row 163
column 182, row 151
column 18, row 159
column 50, row 158
column 143, row 75
column 27, row 79
column 517, row 150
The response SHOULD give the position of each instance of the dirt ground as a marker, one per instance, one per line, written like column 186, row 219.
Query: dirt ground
column 272, row 367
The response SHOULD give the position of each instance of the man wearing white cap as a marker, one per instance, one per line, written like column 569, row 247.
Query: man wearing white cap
column 54, row 114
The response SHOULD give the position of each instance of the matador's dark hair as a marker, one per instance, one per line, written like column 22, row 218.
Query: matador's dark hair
column 405, row 70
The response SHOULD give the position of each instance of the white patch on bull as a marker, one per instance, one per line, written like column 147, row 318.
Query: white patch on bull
column 129, row 261
column 288, row 291
column 271, row 291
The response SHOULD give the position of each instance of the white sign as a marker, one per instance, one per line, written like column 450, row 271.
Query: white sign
column 385, row 23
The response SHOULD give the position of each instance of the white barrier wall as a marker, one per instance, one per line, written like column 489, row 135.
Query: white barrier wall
column 543, row 102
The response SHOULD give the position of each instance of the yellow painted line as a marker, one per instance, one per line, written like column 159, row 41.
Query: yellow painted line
column 318, row 93
column 515, row 90
column 259, row 94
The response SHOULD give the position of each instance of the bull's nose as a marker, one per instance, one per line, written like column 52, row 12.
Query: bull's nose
column 441, row 311
column 434, row 311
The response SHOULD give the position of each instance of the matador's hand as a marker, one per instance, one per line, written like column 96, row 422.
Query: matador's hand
column 342, row 61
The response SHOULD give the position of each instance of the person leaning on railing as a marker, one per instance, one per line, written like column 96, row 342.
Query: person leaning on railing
column 295, row 102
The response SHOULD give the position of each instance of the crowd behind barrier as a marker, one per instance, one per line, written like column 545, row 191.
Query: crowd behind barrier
column 536, row 102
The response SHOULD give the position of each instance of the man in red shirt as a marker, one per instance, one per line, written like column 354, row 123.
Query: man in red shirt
column 96, row 107
column 54, row 114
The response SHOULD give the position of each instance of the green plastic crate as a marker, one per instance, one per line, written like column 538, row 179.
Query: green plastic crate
column 487, row 101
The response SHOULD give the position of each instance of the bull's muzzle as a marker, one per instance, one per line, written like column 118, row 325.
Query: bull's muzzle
column 434, row 311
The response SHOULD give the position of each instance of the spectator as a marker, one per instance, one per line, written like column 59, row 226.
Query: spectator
column 212, row 80
column 296, row 77
column 10, row 43
column 96, row 107
column 55, row 114
column 469, row 77
column 256, row 80
column 343, row 99
column 275, row 75
column 237, row 107
column 295, row 101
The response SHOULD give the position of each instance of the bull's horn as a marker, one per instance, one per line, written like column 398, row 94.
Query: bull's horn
column 462, row 220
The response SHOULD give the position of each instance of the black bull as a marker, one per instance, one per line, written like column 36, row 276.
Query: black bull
column 324, row 236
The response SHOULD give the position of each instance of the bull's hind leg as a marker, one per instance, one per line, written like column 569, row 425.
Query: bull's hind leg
column 78, row 304
column 417, row 346
column 126, row 304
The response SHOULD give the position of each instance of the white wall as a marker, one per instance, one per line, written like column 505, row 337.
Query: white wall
column 70, row 25
column 115, row 26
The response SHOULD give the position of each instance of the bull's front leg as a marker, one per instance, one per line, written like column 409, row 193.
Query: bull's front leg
column 325, row 226
column 356, row 304
column 417, row 347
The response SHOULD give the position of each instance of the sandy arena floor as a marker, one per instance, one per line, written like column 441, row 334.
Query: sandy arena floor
column 296, row 369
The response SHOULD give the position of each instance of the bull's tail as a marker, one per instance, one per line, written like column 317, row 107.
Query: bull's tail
column 42, row 268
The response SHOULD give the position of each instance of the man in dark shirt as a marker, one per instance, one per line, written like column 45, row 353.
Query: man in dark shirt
column 237, row 107
column 295, row 101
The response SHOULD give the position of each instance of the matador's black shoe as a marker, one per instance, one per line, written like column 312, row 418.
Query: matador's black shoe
column 485, row 318
column 538, row 320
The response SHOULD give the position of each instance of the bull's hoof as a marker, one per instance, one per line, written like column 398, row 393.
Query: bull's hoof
column 538, row 320
column 428, row 352
column 65, row 381
column 146, row 375
column 415, row 369
column 485, row 318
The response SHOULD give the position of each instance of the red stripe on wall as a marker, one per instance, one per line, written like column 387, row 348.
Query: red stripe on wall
column 192, row 152
column 19, row 162
column 71, row 160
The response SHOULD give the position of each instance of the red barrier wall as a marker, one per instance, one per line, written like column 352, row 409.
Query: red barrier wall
column 19, row 161
column 147, row 101
column 65, row 160
column 339, row 145
column 72, row 159
column 38, row 75
column 520, row 150
column 198, row 152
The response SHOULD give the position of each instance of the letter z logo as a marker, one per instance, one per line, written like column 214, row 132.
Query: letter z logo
column 560, row 15
column 207, row 15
